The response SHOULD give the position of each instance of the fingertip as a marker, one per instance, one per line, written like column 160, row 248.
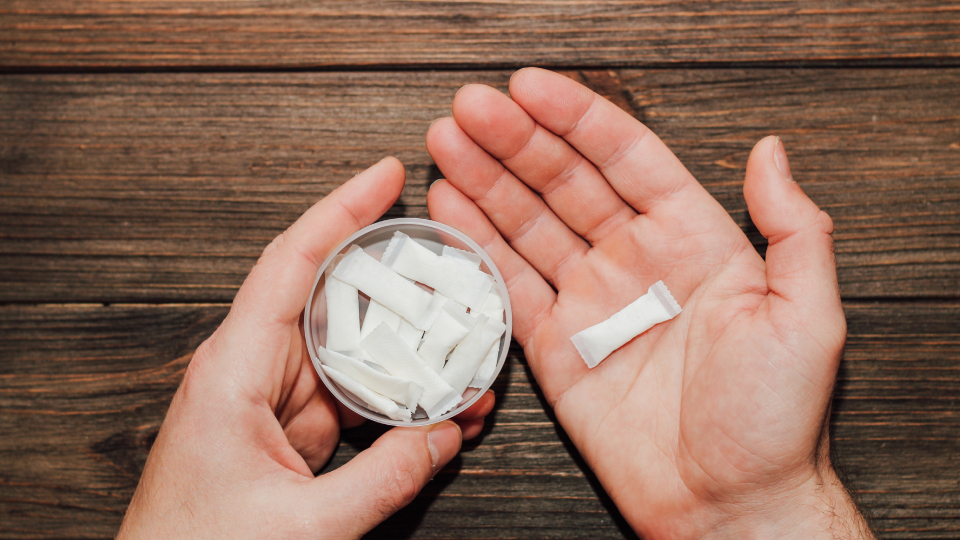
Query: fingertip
column 471, row 421
column 517, row 72
column 435, row 182
column 756, row 166
column 469, row 93
column 776, row 202
column 444, row 441
column 437, row 125
column 480, row 408
column 494, row 122
column 474, row 102
column 519, row 78
column 393, row 164
column 380, row 183
column 364, row 198
column 471, row 429
column 781, row 161
column 389, row 169
column 450, row 206
column 392, row 170
column 439, row 136
column 348, row 419
column 438, row 197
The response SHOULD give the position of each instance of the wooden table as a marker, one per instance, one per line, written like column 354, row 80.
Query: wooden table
column 149, row 149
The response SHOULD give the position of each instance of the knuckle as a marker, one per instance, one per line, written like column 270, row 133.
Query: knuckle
column 401, row 484
column 194, row 374
column 825, row 222
column 273, row 247
column 405, row 486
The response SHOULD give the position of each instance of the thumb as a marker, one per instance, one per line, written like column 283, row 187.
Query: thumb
column 280, row 282
column 383, row 478
column 800, row 264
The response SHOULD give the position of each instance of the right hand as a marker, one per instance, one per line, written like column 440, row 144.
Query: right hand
column 713, row 424
column 251, row 423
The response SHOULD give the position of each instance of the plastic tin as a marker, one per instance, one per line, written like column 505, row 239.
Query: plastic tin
column 374, row 240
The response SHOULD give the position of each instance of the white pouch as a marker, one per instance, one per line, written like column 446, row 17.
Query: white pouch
column 467, row 258
column 443, row 300
column 343, row 314
column 470, row 260
column 387, row 287
column 487, row 367
column 493, row 305
column 445, row 275
column 469, row 354
column 451, row 326
column 597, row 342
column 404, row 392
column 493, row 308
column 388, row 350
column 376, row 314
column 409, row 334
column 373, row 400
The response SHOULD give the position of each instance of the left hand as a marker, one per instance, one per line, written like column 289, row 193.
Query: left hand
column 249, row 425
column 713, row 424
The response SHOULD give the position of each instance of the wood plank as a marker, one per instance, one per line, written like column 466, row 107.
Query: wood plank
column 896, row 416
column 72, row 34
column 83, row 390
column 166, row 187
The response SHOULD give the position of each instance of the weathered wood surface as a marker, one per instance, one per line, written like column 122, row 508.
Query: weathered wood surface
column 121, row 186
column 83, row 390
column 72, row 34
column 166, row 187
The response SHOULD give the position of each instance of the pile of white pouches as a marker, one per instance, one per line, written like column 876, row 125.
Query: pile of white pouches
column 414, row 347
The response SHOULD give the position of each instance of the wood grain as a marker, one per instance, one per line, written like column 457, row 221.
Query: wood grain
column 149, row 149
column 83, row 390
column 166, row 187
column 151, row 34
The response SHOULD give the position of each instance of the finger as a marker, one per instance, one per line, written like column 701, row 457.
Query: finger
column 384, row 478
column 471, row 420
column 309, row 419
column 568, row 183
column 530, row 297
column 348, row 418
column 480, row 408
column 642, row 170
column 800, row 263
column 278, row 286
column 470, row 428
column 524, row 220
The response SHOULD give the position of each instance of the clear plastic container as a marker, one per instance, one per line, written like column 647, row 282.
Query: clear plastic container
column 374, row 240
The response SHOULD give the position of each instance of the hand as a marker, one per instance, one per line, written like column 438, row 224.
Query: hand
column 713, row 424
column 249, row 425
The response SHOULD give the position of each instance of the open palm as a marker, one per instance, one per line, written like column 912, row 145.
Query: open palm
column 715, row 415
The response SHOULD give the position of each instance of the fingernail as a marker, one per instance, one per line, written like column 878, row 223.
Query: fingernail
column 780, row 158
column 432, row 123
column 444, row 442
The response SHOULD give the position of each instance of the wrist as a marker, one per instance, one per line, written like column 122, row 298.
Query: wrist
column 819, row 507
